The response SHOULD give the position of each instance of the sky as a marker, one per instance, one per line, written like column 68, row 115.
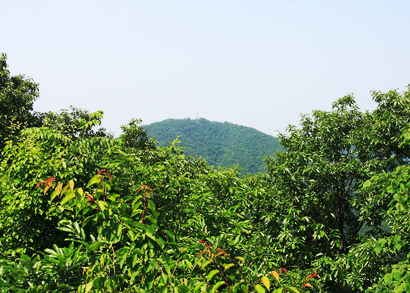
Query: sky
column 254, row 63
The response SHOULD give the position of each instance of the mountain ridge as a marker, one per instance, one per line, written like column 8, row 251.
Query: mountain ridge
column 222, row 144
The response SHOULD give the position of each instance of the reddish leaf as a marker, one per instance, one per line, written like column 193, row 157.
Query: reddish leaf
column 221, row 252
column 49, row 182
column 206, row 243
column 205, row 251
column 40, row 183
column 312, row 276
column 142, row 187
column 283, row 270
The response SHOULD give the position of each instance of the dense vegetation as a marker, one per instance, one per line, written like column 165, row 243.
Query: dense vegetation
column 220, row 144
column 81, row 211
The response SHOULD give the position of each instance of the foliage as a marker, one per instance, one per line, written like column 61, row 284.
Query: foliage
column 220, row 144
column 136, row 137
column 153, row 219
column 76, row 124
column 392, row 190
column 27, row 221
column 319, row 202
column 17, row 95
column 125, row 250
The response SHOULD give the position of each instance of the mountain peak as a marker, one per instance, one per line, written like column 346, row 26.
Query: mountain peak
column 220, row 143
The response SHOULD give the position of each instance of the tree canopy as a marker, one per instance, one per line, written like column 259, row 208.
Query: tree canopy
column 17, row 95
column 81, row 211
column 319, row 178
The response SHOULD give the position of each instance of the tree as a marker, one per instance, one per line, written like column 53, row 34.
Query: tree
column 65, row 147
column 319, row 204
column 76, row 123
column 17, row 95
column 136, row 137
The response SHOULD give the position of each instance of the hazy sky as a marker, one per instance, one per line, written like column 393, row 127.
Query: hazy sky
column 253, row 63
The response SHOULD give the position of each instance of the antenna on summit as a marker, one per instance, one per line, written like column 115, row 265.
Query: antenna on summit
column 196, row 115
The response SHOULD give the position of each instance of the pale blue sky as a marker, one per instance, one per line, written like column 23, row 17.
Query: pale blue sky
column 253, row 63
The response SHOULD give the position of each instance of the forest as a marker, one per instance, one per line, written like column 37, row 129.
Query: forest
column 220, row 144
column 82, row 211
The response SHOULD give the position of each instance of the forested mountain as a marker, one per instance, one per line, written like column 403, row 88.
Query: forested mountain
column 220, row 144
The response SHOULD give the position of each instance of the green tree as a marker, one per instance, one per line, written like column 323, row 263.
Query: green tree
column 317, row 178
column 391, row 190
column 136, row 137
column 76, row 123
column 17, row 95
column 319, row 205
column 27, row 220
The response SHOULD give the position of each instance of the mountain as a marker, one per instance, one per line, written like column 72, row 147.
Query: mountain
column 221, row 144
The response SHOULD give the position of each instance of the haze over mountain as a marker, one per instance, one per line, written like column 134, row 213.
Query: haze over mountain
column 221, row 144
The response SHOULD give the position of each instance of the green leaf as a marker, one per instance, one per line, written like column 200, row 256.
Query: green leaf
column 216, row 286
column 95, row 179
column 379, row 245
column 54, row 194
column 102, row 205
column 25, row 257
column 65, row 189
column 183, row 288
column 294, row 289
column 161, row 242
column 390, row 189
column 367, row 183
column 68, row 197
column 89, row 286
column 71, row 185
column 198, row 285
column 398, row 275
column 211, row 274
column 77, row 228
column 259, row 289
column 164, row 278
column 50, row 251
column 135, row 200
column 80, row 191
column 388, row 279
column 400, row 207
column 119, row 230
column 206, row 263
column 134, row 260
column 56, row 191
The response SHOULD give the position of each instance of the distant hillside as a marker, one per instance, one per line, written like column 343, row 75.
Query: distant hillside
column 221, row 144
